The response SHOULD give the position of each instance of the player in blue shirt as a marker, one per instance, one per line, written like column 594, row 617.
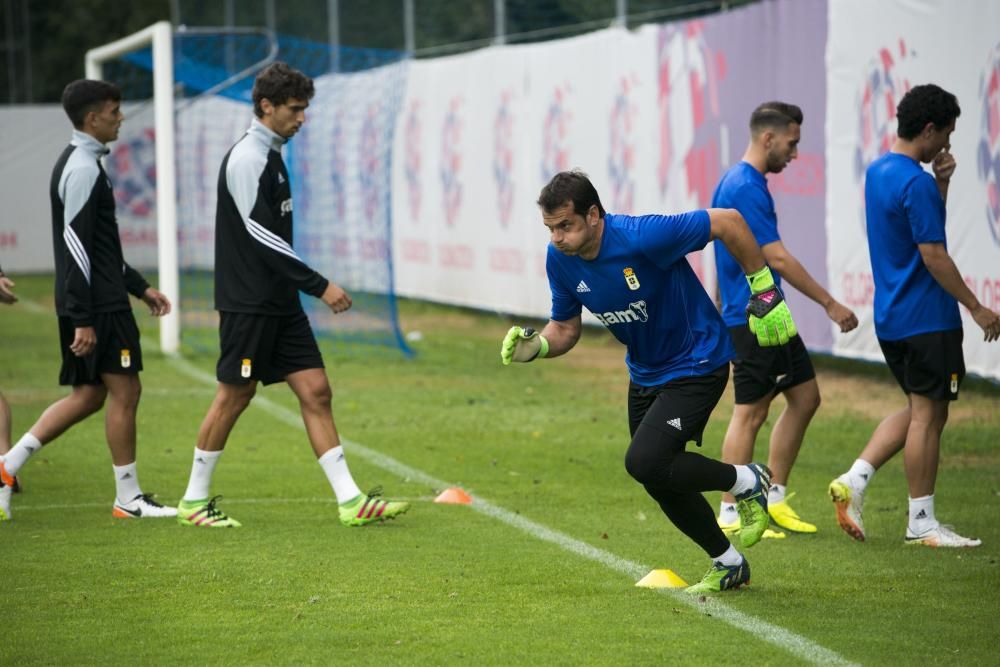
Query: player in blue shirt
column 761, row 373
column 917, row 321
column 631, row 273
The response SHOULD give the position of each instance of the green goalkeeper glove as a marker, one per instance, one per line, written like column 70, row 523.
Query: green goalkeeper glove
column 523, row 344
column 768, row 314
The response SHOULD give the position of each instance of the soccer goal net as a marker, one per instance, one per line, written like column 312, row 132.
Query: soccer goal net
column 187, row 100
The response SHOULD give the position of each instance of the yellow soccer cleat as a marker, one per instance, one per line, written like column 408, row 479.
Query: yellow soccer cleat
column 784, row 516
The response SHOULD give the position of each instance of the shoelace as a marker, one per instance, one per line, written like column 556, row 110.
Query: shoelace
column 212, row 512
column 375, row 492
column 148, row 499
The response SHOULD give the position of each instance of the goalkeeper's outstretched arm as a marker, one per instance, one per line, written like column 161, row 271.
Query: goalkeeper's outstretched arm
column 524, row 344
column 767, row 313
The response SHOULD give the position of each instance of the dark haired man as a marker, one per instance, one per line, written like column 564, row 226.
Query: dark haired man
column 917, row 321
column 631, row 273
column 264, row 334
column 761, row 373
column 99, row 339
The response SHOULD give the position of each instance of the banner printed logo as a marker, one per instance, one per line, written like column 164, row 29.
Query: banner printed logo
column 451, row 162
column 132, row 168
column 688, row 79
column 555, row 134
column 412, row 159
column 885, row 83
column 503, row 158
column 370, row 159
column 988, row 153
column 621, row 158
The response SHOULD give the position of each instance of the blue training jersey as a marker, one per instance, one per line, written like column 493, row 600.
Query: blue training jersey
column 642, row 289
column 904, row 208
column 744, row 188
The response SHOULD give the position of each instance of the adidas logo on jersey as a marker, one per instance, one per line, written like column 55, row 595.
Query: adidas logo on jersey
column 675, row 422
column 582, row 287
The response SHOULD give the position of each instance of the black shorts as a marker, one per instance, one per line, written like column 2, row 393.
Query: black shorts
column 759, row 371
column 117, row 350
column 680, row 408
column 264, row 347
column 930, row 364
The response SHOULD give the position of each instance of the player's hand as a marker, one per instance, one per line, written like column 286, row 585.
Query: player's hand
column 6, row 293
column 988, row 320
column 523, row 344
column 842, row 316
column 84, row 341
column 767, row 313
column 158, row 303
column 943, row 165
column 336, row 298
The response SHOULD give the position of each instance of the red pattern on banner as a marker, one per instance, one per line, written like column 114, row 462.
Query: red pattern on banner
column 458, row 256
column 416, row 251
column 859, row 288
column 507, row 260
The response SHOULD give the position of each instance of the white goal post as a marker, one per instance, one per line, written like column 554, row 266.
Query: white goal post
column 160, row 36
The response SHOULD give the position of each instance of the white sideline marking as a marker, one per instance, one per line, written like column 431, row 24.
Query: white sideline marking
column 783, row 638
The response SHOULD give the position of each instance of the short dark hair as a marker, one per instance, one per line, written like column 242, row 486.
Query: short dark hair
column 925, row 104
column 571, row 186
column 774, row 116
column 277, row 83
column 82, row 96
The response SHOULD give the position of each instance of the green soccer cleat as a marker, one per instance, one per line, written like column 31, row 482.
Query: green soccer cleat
column 722, row 577
column 204, row 513
column 752, row 507
column 366, row 509
column 784, row 516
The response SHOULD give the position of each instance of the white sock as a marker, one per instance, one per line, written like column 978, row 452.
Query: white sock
column 730, row 558
column 335, row 466
column 20, row 453
column 777, row 493
column 201, row 474
column 728, row 513
column 860, row 474
column 745, row 480
column 126, row 482
column 922, row 515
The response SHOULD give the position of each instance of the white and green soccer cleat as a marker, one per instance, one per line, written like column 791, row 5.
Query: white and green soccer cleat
column 941, row 536
column 369, row 508
column 848, row 502
column 722, row 577
column 6, row 488
column 752, row 507
column 205, row 514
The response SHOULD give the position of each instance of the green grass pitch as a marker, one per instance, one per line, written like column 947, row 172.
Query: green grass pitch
column 543, row 576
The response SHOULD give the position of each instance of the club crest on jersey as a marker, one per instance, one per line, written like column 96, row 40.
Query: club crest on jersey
column 245, row 368
column 286, row 206
column 954, row 383
column 631, row 279
column 126, row 358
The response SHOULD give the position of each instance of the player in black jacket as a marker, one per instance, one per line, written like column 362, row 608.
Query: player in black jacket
column 99, row 339
column 264, row 334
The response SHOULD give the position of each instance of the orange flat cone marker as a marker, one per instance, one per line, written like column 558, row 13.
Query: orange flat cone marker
column 454, row 496
column 661, row 579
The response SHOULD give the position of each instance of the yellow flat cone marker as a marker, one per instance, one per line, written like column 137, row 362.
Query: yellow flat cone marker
column 662, row 579
column 454, row 496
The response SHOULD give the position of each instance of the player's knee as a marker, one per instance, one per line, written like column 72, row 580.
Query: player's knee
column 91, row 398
column 648, row 460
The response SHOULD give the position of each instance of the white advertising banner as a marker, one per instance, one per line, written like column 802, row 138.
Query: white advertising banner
column 875, row 52
column 481, row 134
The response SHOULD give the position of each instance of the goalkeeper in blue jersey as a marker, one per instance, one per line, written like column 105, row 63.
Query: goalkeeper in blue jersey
column 631, row 273
column 761, row 373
